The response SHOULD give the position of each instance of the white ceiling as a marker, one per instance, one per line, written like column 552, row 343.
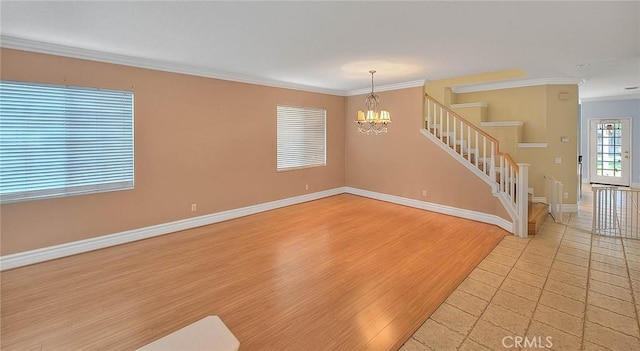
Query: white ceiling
column 331, row 46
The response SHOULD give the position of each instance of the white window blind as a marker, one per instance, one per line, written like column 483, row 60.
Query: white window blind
column 58, row 140
column 301, row 137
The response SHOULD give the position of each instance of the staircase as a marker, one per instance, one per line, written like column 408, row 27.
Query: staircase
column 480, row 153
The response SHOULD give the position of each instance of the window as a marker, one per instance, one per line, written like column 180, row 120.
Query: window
column 301, row 137
column 58, row 141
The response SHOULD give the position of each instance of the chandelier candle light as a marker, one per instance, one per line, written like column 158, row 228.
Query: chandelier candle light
column 373, row 120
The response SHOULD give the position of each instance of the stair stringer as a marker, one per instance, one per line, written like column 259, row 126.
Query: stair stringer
column 502, row 197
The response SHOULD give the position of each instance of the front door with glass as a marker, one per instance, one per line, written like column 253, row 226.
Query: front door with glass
column 610, row 151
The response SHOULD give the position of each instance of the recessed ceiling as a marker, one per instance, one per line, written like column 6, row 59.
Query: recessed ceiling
column 331, row 46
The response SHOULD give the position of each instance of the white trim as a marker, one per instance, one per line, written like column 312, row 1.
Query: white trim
column 454, row 154
column 591, row 157
column 502, row 124
column 494, row 185
column 469, row 104
column 609, row 98
column 58, row 251
column 388, row 87
column 572, row 208
column 532, row 145
column 539, row 199
column 101, row 56
column 76, row 247
column 513, row 83
column 429, row 206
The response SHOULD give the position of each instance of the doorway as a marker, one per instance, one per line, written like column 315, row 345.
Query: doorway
column 610, row 151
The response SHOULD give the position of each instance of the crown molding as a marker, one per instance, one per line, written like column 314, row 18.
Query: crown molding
column 611, row 98
column 100, row 56
column 513, row 83
column 388, row 87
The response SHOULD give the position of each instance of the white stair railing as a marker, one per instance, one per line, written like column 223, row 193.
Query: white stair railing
column 470, row 142
column 479, row 152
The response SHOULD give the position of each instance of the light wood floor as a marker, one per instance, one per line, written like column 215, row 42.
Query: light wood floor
column 323, row 275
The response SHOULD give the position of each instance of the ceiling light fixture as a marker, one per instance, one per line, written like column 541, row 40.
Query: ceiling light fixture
column 372, row 120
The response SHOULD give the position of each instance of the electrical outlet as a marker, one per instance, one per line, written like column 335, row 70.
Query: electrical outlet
column 424, row 193
column 566, row 195
column 306, row 187
column 194, row 207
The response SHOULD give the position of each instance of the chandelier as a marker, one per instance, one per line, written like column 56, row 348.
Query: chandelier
column 372, row 120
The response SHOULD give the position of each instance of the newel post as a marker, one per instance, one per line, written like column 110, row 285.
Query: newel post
column 522, row 202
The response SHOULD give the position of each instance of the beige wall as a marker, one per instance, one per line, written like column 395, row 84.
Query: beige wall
column 197, row 140
column 528, row 104
column 546, row 118
column 562, row 120
column 404, row 162
column 212, row 142
column 441, row 89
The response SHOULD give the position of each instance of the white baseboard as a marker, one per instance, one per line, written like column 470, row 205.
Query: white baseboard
column 565, row 207
column 573, row 208
column 448, row 210
column 52, row 252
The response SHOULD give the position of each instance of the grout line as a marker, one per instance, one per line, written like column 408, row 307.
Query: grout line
column 546, row 279
column 445, row 302
column 574, row 221
column 494, row 294
column 586, row 298
column 633, row 296
column 621, row 242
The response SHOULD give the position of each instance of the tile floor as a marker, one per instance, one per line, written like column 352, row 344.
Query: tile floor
column 562, row 289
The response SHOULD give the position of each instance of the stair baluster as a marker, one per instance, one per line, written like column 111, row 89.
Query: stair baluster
column 509, row 183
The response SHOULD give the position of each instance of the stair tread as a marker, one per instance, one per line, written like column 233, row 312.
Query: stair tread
column 537, row 209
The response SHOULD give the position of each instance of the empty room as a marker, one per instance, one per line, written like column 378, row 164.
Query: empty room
column 205, row 175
